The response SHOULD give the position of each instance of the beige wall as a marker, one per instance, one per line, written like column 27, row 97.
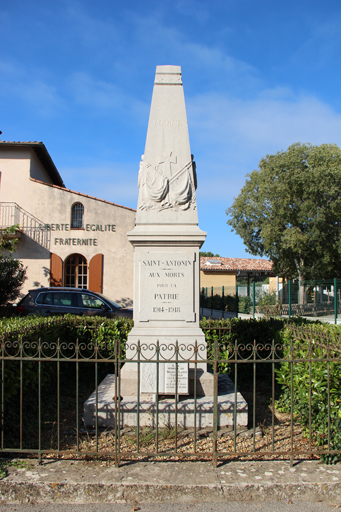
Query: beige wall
column 52, row 206
column 37, row 171
column 217, row 280
column 15, row 171
column 272, row 283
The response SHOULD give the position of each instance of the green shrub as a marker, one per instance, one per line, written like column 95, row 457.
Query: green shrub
column 238, row 336
column 244, row 304
column 310, row 383
column 226, row 303
column 268, row 304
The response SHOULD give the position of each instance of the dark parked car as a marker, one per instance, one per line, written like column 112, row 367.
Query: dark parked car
column 77, row 301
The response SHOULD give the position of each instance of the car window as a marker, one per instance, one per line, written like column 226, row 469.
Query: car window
column 89, row 301
column 45, row 298
column 40, row 298
column 62, row 299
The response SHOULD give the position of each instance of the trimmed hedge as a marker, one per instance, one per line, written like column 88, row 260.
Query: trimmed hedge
column 226, row 303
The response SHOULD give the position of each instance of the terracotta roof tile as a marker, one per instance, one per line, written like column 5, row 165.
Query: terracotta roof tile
column 235, row 264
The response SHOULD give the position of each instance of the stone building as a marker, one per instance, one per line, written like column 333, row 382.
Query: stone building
column 66, row 238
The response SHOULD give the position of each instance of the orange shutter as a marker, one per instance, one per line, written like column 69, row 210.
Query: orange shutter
column 56, row 270
column 96, row 273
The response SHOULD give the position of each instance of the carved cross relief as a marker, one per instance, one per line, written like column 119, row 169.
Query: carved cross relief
column 162, row 187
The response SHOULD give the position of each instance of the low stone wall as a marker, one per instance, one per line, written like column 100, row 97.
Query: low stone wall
column 309, row 309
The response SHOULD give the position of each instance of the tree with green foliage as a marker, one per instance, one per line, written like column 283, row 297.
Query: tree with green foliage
column 209, row 254
column 12, row 271
column 290, row 211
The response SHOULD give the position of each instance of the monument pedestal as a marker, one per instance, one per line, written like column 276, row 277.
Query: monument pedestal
column 166, row 306
column 188, row 412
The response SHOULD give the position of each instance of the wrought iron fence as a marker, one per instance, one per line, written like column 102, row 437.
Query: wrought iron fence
column 269, row 400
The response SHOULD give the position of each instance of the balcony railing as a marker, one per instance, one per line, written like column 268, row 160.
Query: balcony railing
column 12, row 214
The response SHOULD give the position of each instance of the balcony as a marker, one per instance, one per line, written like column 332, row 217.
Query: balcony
column 12, row 214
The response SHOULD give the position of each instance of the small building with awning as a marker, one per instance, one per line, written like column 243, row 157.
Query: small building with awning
column 218, row 272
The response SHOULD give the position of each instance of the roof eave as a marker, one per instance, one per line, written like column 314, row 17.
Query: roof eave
column 43, row 155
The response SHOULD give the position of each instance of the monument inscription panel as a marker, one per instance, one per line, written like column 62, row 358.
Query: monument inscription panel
column 166, row 286
column 170, row 380
column 167, row 378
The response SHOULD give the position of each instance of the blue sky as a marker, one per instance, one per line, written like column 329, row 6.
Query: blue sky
column 258, row 76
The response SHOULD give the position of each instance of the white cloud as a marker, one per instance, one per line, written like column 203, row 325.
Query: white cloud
column 115, row 182
column 89, row 30
column 232, row 135
column 264, row 122
column 30, row 87
column 100, row 94
column 322, row 46
column 193, row 9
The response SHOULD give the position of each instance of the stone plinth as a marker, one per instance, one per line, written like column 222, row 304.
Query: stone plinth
column 166, row 408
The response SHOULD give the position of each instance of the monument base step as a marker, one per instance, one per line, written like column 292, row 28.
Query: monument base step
column 168, row 409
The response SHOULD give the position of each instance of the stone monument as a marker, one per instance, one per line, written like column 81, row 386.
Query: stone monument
column 167, row 240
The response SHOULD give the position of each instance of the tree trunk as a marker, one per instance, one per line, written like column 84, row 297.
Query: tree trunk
column 301, row 290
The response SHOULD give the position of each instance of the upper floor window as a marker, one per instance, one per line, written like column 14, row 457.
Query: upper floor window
column 77, row 212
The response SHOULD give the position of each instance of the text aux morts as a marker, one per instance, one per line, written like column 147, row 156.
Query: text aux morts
column 169, row 268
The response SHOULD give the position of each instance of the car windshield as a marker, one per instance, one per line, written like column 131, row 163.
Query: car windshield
column 111, row 302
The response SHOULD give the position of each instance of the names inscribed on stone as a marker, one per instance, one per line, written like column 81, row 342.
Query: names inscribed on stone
column 167, row 378
column 171, row 378
column 166, row 286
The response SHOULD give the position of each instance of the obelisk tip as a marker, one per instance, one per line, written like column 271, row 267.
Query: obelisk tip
column 168, row 75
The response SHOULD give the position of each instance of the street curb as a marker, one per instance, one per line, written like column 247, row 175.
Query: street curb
column 70, row 481
column 36, row 493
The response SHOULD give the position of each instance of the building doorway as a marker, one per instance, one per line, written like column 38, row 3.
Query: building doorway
column 76, row 271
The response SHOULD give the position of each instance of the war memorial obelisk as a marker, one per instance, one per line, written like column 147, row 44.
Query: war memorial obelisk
column 167, row 240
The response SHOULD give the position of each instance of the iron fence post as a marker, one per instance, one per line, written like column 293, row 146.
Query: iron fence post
column 138, row 395
column 289, row 293
column 215, row 405
column 116, row 394
column 39, row 401
column 3, row 391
